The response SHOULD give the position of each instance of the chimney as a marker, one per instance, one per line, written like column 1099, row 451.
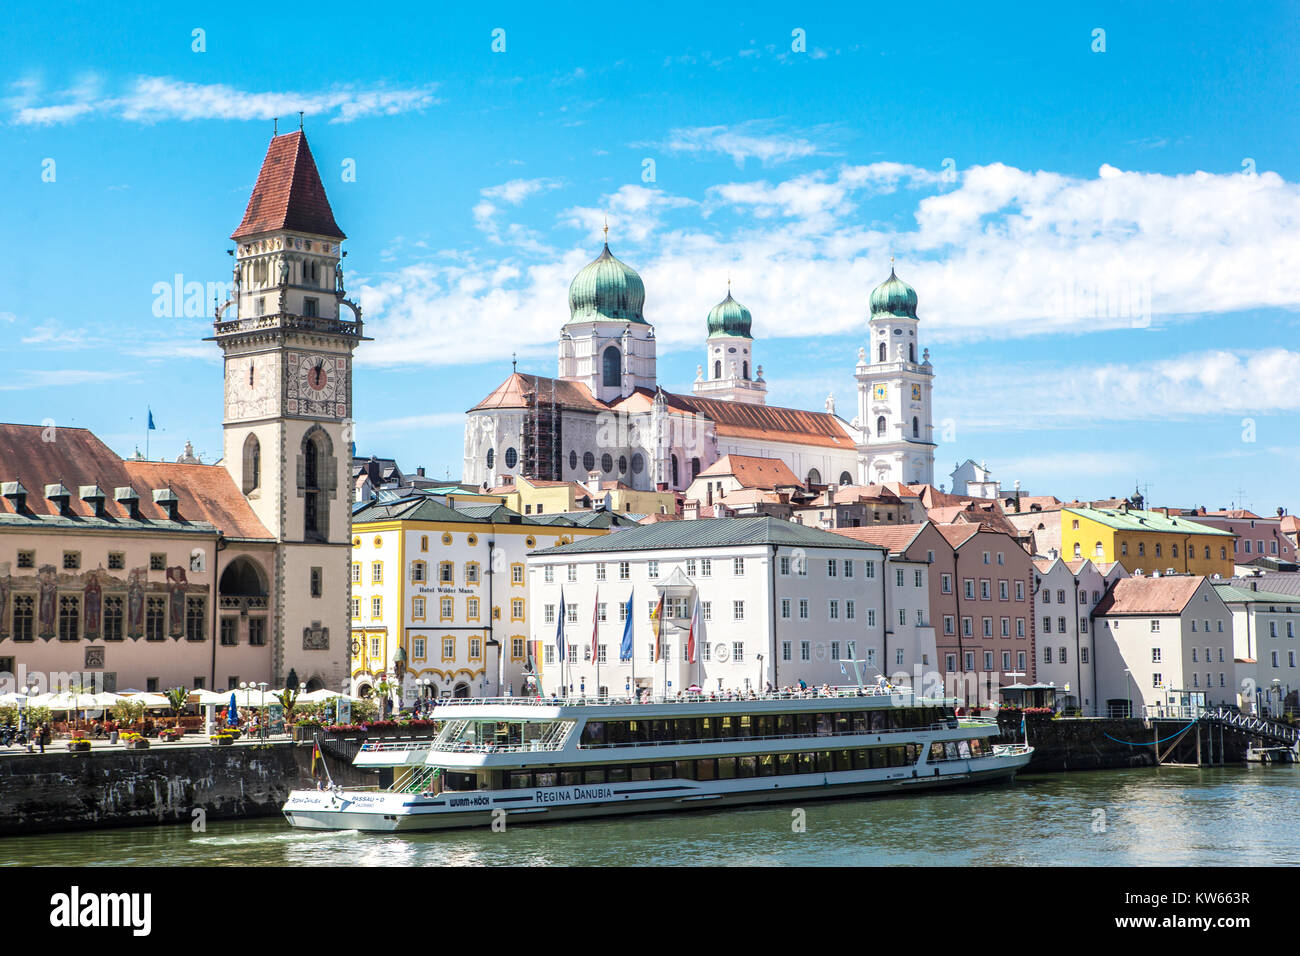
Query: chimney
column 419, row 472
column 593, row 482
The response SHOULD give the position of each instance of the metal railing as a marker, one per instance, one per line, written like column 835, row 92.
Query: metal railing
column 738, row 738
column 379, row 746
column 713, row 698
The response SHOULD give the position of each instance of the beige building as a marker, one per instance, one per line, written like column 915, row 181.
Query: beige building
column 533, row 496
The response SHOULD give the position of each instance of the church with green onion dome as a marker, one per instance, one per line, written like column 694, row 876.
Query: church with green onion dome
column 728, row 372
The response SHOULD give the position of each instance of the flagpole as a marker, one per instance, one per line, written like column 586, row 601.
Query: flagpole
column 631, row 610
column 595, row 638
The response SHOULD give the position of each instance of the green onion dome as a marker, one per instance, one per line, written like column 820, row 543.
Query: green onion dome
column 729, row 317
column 606, row 289
column 894, row 297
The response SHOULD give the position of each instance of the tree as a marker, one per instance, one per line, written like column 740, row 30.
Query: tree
column 176, row 698
column 289, row 699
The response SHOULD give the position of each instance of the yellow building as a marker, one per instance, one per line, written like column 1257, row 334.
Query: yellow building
column 1146, row 540
column 440, row 594
column 530, row 496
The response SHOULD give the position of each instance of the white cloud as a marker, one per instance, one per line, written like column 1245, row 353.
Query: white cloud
column 151, row 99
column 741, row 142
column 512, row 193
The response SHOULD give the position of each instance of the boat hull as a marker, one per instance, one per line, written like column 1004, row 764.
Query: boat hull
column 395, row 812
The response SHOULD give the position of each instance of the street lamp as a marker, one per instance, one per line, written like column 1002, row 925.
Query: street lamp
column 1129, row 674
column 760, row 668
column 1277, row 689
column 261, row 686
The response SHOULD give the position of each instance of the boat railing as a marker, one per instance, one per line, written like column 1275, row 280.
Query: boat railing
column 685, row 698
column 532, row 746
column 736, row 738
column 379, row 746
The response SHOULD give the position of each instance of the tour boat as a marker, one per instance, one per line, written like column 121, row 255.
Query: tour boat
column 505, row 761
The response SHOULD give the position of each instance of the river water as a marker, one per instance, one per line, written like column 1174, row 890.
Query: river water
column 1228, row 816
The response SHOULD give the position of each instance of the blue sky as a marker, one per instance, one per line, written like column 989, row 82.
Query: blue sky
column 1104, row 243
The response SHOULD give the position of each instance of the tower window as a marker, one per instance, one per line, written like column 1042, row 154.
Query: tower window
column 252, row 462
column 612, row 367
column 717, row 369
column 310, row 307
column 911, row 351
column 744, row 371
column 675, row 478
column 916, row 427
column 315, row 483
column 882, row 351
column 880, row 427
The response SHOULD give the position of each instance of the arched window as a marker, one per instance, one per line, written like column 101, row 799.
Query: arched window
column 675, row 478
column 845, row 478
column 1078, row 552
column 916, row 427
column 612, row 367
column 242, row 578
column 491, row 458
column 814, row 477
column 1098, row 550
column 252, row 464
column 882, row 351
column 717, row 369
column 695, row 468
column 880, row 427
column 316, row 483
column 911, row 351
column 744, row 371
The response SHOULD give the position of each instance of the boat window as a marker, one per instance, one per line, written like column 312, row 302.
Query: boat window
column 825, row 763
column 662, row 771
column 708, row 728
column 950, row 749
column 684, row 729
column 843, row 760
column 706, row 769
column 660, row 731
column 532, row 732
column 859, row 722
column 897, row 757
column 684, row 769
column 570, row 778
column 641, row 773
column 785, row 764
column 745, row 726
column 977, row 747
column 936, row 751
column 593, row 735
column 913, row 753
column 454, row 780
column 520, row 779
column 784, row 725
column 617, row 774
column 747, row 766
column 963, row 749
column 879, row 720
column 727, row 726
column 763, row 726
column 805, row 724
column 841, row 723
column 805, row 762
column 726, row 768
column 594, row 776
column 546, row 778
column 766, row 765
column 878, row 758
column 897, row 718
column 825, row 723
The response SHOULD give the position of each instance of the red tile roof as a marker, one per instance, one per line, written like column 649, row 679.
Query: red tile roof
column 1163, row 595
column 75, row 457
column 895, row 537
column 289, row 193
column 958, row 534
column 1290, row 524
column 752, row 472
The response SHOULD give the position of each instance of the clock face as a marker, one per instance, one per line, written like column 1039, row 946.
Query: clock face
column 916, row 393
column 881, row 393
column 317, row 384
column 251, row 387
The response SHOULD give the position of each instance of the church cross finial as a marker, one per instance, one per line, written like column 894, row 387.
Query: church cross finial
column 300, row 121
column 514, row 362
column 607, row 230
column 275, row 126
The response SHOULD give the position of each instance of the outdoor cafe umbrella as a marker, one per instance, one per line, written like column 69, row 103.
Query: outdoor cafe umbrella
column 232, row 715
column 150, row 701
column 206, row 697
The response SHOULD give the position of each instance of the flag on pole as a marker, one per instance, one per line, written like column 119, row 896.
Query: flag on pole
column 152, row 427
column 559, row 629
column 595, row 619
column 315, row 756
column 657, row 619
column 690, row 638
column 625, row 649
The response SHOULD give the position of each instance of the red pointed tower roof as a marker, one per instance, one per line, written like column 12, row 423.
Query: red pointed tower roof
column 289, row 193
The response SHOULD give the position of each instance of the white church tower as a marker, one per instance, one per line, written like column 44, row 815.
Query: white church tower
column 894, row 392
column 729, row 372
column 607, row 344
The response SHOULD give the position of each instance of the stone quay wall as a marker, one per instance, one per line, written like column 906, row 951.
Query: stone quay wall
column 1096, row 743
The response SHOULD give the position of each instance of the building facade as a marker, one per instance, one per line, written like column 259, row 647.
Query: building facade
column 1163, row 642
column 440, row 604
column 1265, row 629
column 777, row 603
column 1065, row 594
column 1146, row 541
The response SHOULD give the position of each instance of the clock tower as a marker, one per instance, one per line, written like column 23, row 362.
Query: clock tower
column 288, row 403
column 895, row 434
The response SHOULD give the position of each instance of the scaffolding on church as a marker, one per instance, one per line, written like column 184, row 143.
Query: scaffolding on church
column 542, row 444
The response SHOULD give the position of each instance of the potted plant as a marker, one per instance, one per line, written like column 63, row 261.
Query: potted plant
column 223, row 739
column 135, row 741
column 79, row 745
column 172, row 733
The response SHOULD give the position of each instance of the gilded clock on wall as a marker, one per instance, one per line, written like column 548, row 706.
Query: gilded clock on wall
column 881, row 393
column 916, row 393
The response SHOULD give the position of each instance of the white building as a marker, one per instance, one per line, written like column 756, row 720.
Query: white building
column 606, row 411
column 975, row 480
column 1161, row 640
column 1065, row 594
column 778, row 603
column 1264, row 632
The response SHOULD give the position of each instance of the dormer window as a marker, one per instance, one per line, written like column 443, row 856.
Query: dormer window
column 129, row 501
column 61, row 498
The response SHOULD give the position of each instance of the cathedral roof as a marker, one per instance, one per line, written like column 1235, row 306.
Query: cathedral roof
column 606, row 288
column 752, row 472
column 514, row 392
column 768, row 423
column 893, row 297
column 289, row 193
column 729, row 317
